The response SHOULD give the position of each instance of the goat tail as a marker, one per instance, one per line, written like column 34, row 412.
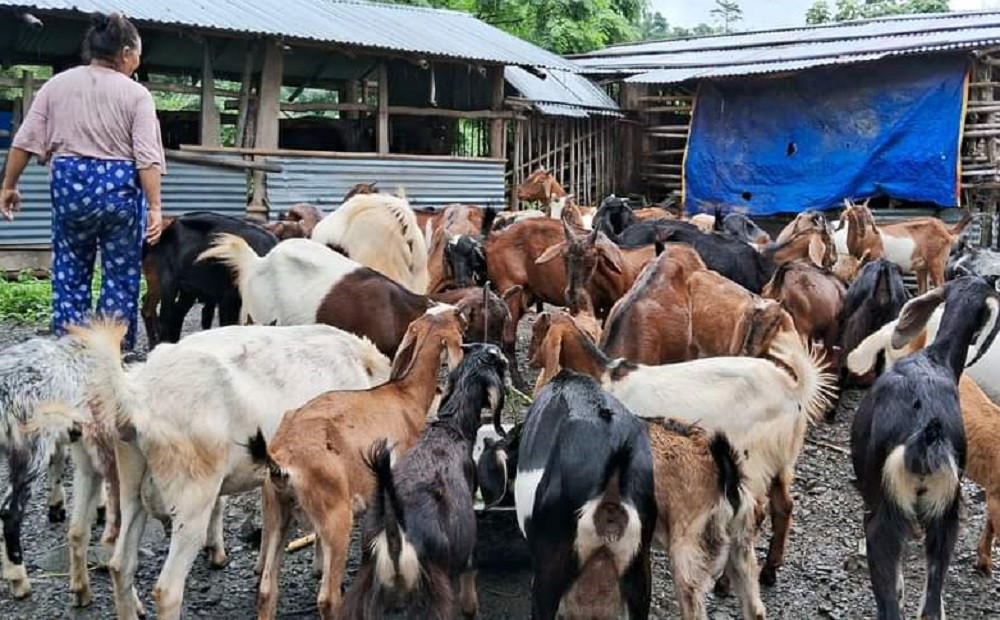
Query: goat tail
column 957, row 229
column 815, row 388
column 922, row 474
column 728, row 470
column 610, row 521
column 394, row 556
column 489, row 217
column 235, row 253
column 257, row 449
column 113, row 400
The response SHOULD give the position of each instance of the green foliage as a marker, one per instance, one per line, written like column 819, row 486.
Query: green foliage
column 29, row 299
column 845, row 10
column 728, row 12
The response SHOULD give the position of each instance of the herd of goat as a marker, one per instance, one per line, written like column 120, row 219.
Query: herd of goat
column 681, row 363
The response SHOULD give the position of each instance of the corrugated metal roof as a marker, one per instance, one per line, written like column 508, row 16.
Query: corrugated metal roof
column 562, row 93
column 793, row 49
column 433, row 32
column 186, row 187
column 427, row 182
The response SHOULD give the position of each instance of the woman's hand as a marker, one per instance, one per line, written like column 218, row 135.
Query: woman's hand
column 10, row 203
column 154, row 226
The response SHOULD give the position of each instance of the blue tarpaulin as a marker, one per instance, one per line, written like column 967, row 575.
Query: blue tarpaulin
column 786, row 144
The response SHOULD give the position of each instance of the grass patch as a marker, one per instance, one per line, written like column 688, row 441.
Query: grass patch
column 28, row 300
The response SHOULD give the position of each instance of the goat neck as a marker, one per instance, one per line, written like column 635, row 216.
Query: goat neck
column 967, row 298
column 566, row 346
column 478, row 383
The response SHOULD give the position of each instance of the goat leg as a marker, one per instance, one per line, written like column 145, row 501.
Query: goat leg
column 941, row 535
column 741, row 568
column 984, row 561
column 885, row 531
column 87, row 486
column 515, row 306
column 57, row 497
column 548, row 587
column 24, row 461
column 439, row 596
column 334, row 530
column 216, row 546
column 467, row 596
column 781, row 526
column 125, row 559
column 277, row 517
column 637, row 585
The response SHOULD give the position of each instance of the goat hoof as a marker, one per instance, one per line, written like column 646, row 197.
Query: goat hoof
column 102, row 514
column 20, row 589
column 57, row 513
column 768, row 576
column 82, row 598
column 722, row 587
column 984, row 568
column 217, row 559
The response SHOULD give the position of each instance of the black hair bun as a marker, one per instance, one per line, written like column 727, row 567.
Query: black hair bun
column 100, row 21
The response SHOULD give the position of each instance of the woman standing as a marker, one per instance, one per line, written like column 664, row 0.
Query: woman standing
column 98, row 129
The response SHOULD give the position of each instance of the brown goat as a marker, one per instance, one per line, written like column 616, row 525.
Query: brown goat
column 807, row 220
column 919, row 245
column 981, row 418
column 814, row 298
column 315, row 459
column 540, row 186
column 487, row 317
column 728, row 320
column 651, row 324
column 598, row 266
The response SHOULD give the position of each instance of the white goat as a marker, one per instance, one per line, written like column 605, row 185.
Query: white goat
column 379, row 231
column 183, row 416
column 985, row 372
column 763, row 405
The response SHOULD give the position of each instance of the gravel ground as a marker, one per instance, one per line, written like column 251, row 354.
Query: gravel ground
column 821, row 577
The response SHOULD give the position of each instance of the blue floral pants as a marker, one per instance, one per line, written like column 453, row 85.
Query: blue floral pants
column 96, row 204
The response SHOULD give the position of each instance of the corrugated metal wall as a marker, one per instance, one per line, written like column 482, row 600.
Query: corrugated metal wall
column 427, row 182
column 186, row 187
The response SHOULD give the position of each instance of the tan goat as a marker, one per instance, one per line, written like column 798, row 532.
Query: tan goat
column 315, row 459
column 919, row 246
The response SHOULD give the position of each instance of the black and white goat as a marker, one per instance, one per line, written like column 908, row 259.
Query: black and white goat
column 585, row 502
column 421, row 527
column 908, row 442
column 970, row 259
column 34, row 374
column 873, row 300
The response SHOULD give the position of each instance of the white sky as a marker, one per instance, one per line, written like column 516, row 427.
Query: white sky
column 758, row 14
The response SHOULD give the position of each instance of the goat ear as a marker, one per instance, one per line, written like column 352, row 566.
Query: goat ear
column 817, row 250
column 992, row 323
column 453, row 351
column 551, row 252
column 915, row 314
column 406, row 354
column 882, row 292
column 610, row 261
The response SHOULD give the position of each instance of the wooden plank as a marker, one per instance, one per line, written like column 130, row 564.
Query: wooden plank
column 244, row 101
column 498, row 126
column 666, row 153
column 183, row 89
column 220, row 162
column 668, row 177
column 326, row 154
column 209, row 117
column 667, row 128
column 354, row 96
column 671, row 136
column 382, row 128
column 27, row 92
column 267, row 117
column 669, row 108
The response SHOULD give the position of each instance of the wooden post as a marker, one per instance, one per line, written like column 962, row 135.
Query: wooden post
column 632, row 152
column 27, row 92
column 268, row 105
column 245, row 85
column 498, row 134
column 383, row 109
column 209, row 117
column 353, row 96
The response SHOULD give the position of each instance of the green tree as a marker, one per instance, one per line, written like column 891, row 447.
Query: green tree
column 654, row 26
column 846, row 10
column 728, row 12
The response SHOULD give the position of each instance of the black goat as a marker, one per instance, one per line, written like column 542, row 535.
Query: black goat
column 464, row 257
column 742, row 228
column 421, row 527
column 874, row 298
column 969, row 259
column 585, row 502
column 613, row 216
column 908, row 441
column 182, row 280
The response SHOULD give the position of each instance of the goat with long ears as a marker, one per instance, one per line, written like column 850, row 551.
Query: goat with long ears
column 421, row 526
column 315, row 458
column 776, row 400
column 908, row 442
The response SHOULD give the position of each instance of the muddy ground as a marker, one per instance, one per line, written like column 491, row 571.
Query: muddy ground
column 821, row 577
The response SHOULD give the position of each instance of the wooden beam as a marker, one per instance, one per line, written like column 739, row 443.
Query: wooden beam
column 220, row 162
column 326, row 154
column 382, row 129
column 353, row 96
column 209, row 118
column 498, row 127
column 244, row 101
column 267, row 116
column 27, row 92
